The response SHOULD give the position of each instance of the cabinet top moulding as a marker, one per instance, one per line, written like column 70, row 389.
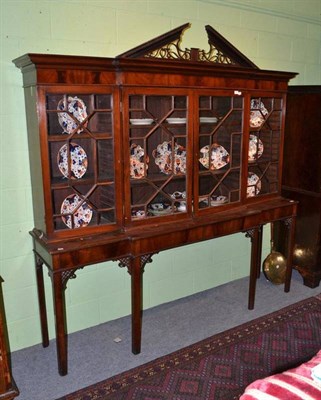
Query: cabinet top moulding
column 161, row 55
column 45, row 69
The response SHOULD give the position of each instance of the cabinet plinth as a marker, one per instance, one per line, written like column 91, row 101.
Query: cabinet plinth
column 154, row 149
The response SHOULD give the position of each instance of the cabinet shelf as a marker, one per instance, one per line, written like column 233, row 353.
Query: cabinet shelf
column 62, row 183
column 61, row 137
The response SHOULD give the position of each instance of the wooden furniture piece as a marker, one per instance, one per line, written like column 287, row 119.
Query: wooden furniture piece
column 157, row 148
column 302, row 178
column 8, row 388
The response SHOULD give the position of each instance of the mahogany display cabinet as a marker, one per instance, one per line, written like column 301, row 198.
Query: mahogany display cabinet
column 302, row 178
column 154, row 149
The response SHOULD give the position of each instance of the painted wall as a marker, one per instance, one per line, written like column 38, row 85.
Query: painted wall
column 275, row 34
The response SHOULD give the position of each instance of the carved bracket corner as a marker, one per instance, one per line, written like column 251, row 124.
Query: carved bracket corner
column 288, row 222
column 250, row 232
column 126, row 262
column 70, row 274
column 65, row 275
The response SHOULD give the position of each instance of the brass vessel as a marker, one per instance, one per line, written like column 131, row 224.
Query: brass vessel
column 274, row 265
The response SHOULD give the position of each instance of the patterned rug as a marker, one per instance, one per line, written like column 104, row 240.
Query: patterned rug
column 220, row 367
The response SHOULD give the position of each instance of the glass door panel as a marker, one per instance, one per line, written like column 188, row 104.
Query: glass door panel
column 81, row 156
column 158, row 149
column 220, row 149
column 264, row 146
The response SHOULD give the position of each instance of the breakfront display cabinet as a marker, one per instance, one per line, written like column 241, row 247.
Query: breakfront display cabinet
column 154, row 149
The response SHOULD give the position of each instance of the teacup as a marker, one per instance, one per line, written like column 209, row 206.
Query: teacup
column 178, row 195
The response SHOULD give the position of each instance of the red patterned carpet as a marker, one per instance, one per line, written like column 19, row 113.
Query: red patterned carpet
column 220, row 367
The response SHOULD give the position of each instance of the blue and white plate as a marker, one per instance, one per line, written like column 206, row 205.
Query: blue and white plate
column 75, row 110
column 79, row 212
column 77, row 163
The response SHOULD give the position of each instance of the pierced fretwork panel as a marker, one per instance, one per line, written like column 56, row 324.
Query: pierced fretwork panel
column 220, row 148
column 173, row 51
column 158, row 150
column 81, row 155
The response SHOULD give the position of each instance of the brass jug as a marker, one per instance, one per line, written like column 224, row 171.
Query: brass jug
column 274, row 265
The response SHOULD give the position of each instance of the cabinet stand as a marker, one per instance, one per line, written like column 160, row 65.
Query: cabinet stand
column 251, row 219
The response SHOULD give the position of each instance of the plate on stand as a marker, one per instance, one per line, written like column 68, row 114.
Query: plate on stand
column 80, row 213
column 138, row 167
column 163, row 155
column 257, row 114
column 255, row 148
column 74, row 110
column 214, row 157
column 78, row 161
column 253, row 185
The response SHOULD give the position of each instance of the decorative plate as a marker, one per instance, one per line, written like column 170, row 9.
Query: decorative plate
column 76, row 110
column 81, row 212
column 255, row 148
column 141, row 121
column 137, row 166
column 257, row 114
column 215, row 157
column 77, row 161
column 163, row 158
column 176, row 120
column 253, row 185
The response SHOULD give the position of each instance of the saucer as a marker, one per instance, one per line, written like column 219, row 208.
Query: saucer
column 176, row 120
column 138, row 214
column 141, row 121
column 160, row 208
column 178, row 195
column 208, row 120
column 218, row 200
column 214, row 202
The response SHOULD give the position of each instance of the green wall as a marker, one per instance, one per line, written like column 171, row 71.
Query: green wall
column 274, row 34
